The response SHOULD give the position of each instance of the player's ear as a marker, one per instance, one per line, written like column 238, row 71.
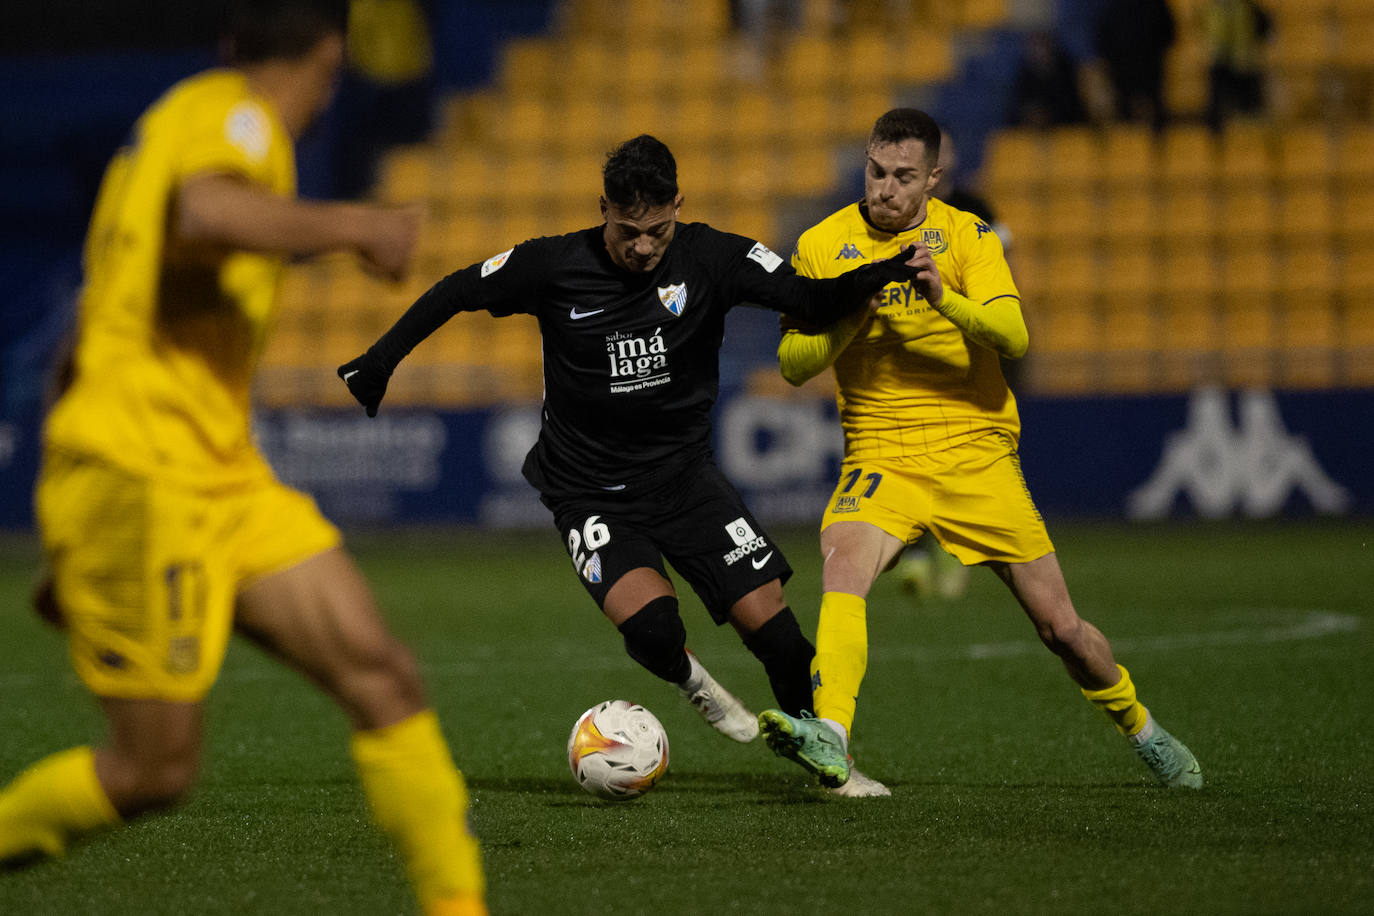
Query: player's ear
column 935, row 175
column 677, row 205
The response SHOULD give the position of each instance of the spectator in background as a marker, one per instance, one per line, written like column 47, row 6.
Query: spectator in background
column 1132, row 38
column 1236, row 31
column 387, row 89
column 1046, row 91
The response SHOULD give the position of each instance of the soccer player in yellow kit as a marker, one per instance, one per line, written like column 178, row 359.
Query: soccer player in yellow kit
column 931, row 434
column 162, row 524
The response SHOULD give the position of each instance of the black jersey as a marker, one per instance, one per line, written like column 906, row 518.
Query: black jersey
column 631, row 360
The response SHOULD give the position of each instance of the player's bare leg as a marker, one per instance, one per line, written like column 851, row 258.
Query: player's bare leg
column 1040, row 588
column 320, row 618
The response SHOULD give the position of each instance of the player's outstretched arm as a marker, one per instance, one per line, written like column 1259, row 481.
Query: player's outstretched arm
column 803, row 354
column 227, row 210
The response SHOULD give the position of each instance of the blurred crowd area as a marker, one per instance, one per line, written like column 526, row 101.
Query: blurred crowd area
column 1185, row 187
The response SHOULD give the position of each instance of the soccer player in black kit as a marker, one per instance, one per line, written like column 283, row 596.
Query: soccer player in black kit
column 632, row 314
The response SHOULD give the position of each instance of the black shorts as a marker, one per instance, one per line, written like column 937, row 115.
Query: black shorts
column 700, row 525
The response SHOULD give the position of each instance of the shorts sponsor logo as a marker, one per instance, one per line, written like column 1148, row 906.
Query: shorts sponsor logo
column 746, row 542
column 846, row 504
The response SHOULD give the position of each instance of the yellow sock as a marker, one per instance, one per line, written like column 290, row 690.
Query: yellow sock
column 1119, row 703
column 55, row 800
column 841, row 657
column 419, row 800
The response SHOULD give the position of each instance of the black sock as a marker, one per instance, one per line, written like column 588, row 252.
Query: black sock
column 786, row 656
column 655, row 637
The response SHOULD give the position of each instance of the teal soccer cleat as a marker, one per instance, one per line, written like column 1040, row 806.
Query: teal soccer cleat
column 810, row 742
column 1172, row 764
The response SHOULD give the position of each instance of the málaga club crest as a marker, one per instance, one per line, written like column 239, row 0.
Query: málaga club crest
column 673, row 297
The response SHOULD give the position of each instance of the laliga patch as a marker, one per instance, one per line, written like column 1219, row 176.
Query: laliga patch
column 247, row 130
column 765, row 256
column 673, row 297
column 935, row 240
column 494, row 263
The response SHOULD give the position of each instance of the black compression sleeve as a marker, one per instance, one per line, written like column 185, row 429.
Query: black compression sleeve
column 439, row 303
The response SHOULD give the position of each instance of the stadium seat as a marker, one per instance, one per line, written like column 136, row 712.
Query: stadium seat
column 1128, row 156
column 1014, row 161
column 1248, row 213
column 1188, row 156
column 1245, row 156
column 1073, row 159
column 1131, row 218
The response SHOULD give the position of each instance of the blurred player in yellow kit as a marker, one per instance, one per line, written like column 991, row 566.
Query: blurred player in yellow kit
column 163, row 526
column 931, row 432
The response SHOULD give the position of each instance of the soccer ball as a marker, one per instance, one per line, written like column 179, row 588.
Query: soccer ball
column 618, row 750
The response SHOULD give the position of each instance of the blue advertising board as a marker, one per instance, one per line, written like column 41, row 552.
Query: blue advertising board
column 1211, row 454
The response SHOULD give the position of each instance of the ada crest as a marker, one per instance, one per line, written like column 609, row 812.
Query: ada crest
column 935, row 240
column 673, row 297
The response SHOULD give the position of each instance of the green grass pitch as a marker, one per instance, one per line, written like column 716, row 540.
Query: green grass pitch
column 1251, row 642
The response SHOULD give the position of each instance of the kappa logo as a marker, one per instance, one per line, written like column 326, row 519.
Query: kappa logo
column 674, row 297
column 982, row 228
column 848, row 252
column 247, row 128
column 1254, row 465
column 934, row 239
column 494, row 263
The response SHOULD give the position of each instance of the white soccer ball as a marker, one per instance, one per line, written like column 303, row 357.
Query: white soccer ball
column 618, row 750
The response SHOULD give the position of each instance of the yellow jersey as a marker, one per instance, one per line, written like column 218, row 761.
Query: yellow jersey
column 169, row 333
column 910, row 382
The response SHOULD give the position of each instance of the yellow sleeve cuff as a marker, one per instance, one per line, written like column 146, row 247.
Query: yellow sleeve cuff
column 996, row 324
column 802, row 355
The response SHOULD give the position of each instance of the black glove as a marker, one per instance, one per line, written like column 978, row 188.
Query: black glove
column 366, row 378
column 895, row 268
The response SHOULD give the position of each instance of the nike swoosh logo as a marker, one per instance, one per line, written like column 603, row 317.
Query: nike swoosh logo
column 619, row 486
column 575, row 314
column 759, row 563
column 349, row 375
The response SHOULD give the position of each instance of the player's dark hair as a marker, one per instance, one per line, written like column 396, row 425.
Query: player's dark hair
column 907, row 124
column 259, row 30
column 640, row 173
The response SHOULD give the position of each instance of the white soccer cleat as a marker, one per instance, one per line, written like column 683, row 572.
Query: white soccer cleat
column 861, row 786
column 721, row 709
column 1172, row 764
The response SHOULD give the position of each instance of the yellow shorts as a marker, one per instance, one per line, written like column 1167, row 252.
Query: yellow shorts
column 971, row 497
column 146, row 573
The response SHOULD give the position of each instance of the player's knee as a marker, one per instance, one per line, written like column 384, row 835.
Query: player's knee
column 656, row 638
column 377, row 682
column 1063, row 636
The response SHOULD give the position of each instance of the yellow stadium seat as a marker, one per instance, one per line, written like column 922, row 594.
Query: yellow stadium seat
column 1245, row 156
column 1188, row 156
column 927, row 56
column 1305, row 213
column 1355, row 153
column 1071, row 275
column 1127, row 272
column 527, row 66
column 1128, row 156
column 1074, row 158
column 1249, row 270
column 1307, row 328
column 1305, row 155
column 1072, row 216
column 1248, row 212
column 1131, row 218
column 1013, row 161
